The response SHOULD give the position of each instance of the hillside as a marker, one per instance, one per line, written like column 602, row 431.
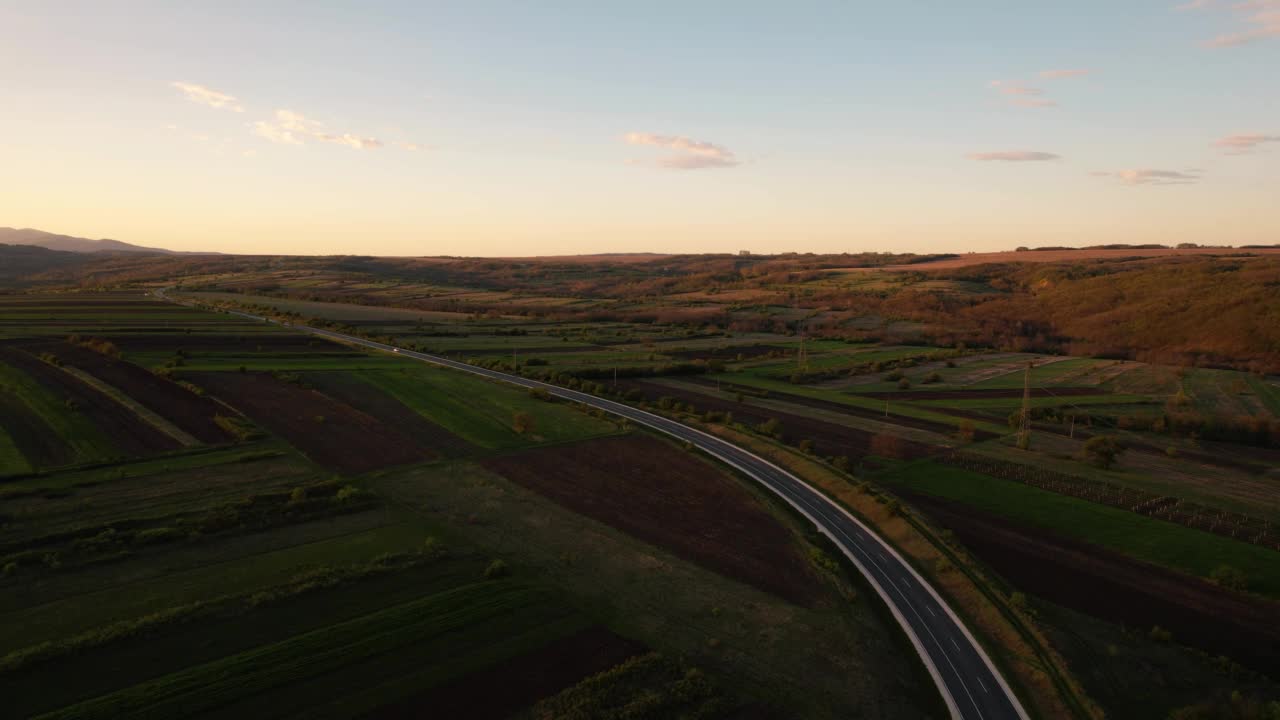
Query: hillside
column 18, row 261
column 68, row 243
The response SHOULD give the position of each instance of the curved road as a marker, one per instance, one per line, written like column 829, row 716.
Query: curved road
column 968, row 681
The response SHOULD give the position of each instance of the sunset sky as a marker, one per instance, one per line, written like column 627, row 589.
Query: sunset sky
column 535, row 128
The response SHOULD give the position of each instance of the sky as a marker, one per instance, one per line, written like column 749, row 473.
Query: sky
column 555, row 127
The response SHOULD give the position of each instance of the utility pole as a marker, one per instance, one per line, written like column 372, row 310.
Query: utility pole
column 803, row 357
column 1024, row 425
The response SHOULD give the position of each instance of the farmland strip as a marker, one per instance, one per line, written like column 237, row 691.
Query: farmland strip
column 143, row 413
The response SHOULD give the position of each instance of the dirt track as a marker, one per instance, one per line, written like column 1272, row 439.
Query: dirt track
column 125, row 430
column 1107, row 585
column 183, row 408
column 331, row 433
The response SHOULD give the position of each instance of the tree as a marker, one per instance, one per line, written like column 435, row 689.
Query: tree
column 772, row 427
column 1103, row 450
column 522, row 422
column 1229, row 577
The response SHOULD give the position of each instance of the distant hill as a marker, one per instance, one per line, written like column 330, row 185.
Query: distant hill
column 67, row 243
column 17, row 261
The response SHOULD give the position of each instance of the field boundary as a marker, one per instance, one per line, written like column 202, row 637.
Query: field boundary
column 145, row 414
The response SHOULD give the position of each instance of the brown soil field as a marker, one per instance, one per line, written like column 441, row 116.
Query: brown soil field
column 673, row 499
column 248, row 342
column 183, row 408
column 331, row 433
column 125, row 430
column 1110, row 586
column 527, row 352
column 917, row 423
column 523, row 680
column 78, row 302
column 983, row 394
column 730, row 352
column 39, row 444
column 370, row 399
column 829, row 439
column 1042, row 256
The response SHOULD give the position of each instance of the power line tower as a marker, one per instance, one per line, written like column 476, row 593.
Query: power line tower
column 802, row 358
column 1024, row 423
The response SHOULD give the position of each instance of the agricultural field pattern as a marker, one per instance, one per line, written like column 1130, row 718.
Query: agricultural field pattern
column 416, row 488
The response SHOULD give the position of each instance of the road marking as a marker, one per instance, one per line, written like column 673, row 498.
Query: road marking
column 984, row 685
column 931, row 612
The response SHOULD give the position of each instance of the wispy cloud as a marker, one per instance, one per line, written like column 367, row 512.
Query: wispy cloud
column 690, row 154
column 410, row 146
column 1195, row 5
column 291, row 128
column 1020, row 94
column 1257, row 20
column 208, row 96
column 1147, row 176
column 1014, row 87
column 1243, row 143
column 1013, row 156
column 1059, row 74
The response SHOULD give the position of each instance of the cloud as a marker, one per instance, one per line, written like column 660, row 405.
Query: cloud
column 690, row 154
column 1013, row 87
column 1013, row 156
column 206, row 96
column 291, row 128
column 1261, row 20
column 1244, row 143
column 410, row 146
column 1019, row 94
column 1195, row 5
column 1148, row 176
column 1059, row 74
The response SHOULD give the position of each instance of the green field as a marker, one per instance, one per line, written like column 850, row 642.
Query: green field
column 1163, row 543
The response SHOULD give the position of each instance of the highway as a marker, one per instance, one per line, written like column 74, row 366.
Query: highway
column 965, row 676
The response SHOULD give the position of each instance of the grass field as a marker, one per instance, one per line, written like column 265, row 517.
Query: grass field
column 1146, row 538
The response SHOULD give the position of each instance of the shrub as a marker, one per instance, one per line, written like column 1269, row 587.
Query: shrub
column 9, row 569
column 806, row 445
column 771, row 427
column 1103, row 450
column 299, row 495
column 496, row 569
column 904, row 384
column 1159, row 634
column 522, row 422
column 931, row 378
column 1229, row 577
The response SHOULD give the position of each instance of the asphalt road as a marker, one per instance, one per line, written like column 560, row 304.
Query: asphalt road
column 964, row 674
